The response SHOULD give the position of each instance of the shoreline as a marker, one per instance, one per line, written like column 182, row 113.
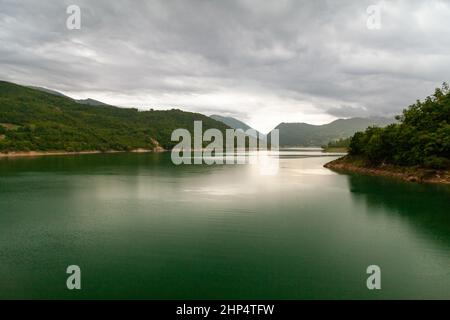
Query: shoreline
column 335, row 150
column 28, row 154
column 407, row 174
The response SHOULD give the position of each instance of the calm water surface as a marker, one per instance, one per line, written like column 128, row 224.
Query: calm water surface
column 140, row 227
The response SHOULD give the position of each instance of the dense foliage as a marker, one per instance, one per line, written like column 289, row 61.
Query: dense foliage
column 33, row 120
column 422, row 138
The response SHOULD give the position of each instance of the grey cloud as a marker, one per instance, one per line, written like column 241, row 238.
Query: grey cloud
column 348, row 112
column 290, row 53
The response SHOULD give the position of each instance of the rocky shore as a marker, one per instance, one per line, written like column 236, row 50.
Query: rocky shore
column 410, row 174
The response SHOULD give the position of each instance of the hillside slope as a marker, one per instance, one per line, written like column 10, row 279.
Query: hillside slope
column 234, row 123
column 303, row 134
column 33, row 120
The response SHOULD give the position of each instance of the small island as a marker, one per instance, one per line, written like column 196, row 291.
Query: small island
column 415, row 149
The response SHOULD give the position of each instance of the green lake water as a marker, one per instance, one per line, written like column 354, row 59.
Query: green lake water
column 142, row 228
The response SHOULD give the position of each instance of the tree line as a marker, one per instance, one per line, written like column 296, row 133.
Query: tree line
column 420, row 138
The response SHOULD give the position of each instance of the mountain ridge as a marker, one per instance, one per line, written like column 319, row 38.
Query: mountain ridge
column 88, row 101
column 235, row 124
column 305, row 134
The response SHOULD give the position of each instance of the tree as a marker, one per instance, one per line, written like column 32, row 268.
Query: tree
column 421, row 138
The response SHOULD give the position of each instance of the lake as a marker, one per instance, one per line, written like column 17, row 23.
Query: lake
column 140, row 227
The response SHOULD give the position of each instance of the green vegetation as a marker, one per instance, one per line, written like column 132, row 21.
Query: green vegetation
column 33, row 120
column 337, row 145
column 422, row 138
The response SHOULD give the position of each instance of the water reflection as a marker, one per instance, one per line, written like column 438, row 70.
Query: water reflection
column 425, row 207
column 141, row 226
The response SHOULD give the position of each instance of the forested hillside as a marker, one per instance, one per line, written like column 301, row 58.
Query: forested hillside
column 33, row 120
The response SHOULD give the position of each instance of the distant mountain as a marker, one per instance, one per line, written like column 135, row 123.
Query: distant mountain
column 36, row 120
column 234, row 123
column 231, row 122
column 90, row 102
column 56, row 93
column 303, row 134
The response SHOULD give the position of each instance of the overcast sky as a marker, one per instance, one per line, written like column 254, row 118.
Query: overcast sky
column 262, row 61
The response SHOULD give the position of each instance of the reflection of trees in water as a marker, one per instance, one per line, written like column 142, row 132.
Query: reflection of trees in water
column 426, row 207
column 109, row 163
column 80, row 163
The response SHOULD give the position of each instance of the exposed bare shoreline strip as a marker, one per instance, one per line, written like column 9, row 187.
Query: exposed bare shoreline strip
column 410, row 174
column 67, row 153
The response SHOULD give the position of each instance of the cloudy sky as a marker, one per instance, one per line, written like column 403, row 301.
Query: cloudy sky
column 263, row 61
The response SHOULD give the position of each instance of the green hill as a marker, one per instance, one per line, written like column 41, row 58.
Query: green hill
column 303, row 134
column 34, row 120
